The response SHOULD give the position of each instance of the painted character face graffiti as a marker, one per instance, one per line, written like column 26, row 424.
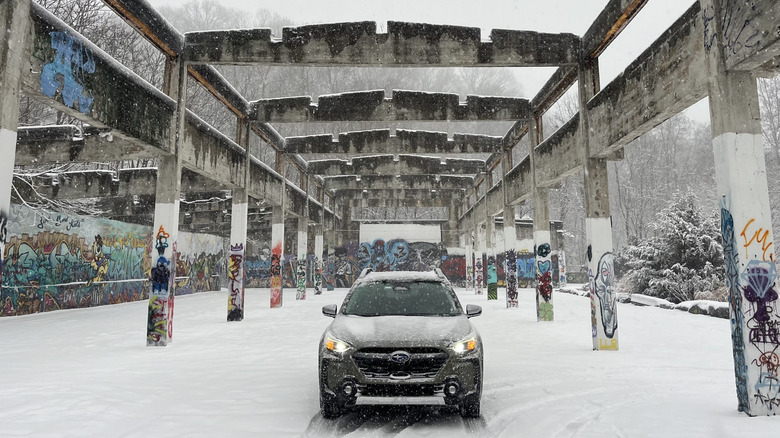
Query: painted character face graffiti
column 605, row 291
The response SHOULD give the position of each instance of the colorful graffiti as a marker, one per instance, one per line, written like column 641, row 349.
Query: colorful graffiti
column 49, row 269
column 300, row 275
column 276, row 276
column 317, row 276
column 454, row 267
column 478, row 276
column 157, row 324
column 67, row 72
column 526, row 269
column 758, row 236
column 511, row 279
column 236, row 283
column 399, row 255
column 544, row 307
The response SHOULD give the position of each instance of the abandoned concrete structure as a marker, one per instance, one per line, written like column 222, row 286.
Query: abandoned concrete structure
column 715, row 50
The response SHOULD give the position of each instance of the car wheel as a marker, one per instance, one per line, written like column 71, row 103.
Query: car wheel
column 329, row 406
column 470, row 406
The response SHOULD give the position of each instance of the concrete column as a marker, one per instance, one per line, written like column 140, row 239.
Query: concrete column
column 330, row 262
column 159, row 325
column 318, row 255
column 561, row 259
column 303, row 236
column 238, row 232
column 13, row 44
column 510, row 238
column 277, row 252
column 469, row 244
column 746, row 227
column 598, row 226
column 542, row 241
column 479, row 262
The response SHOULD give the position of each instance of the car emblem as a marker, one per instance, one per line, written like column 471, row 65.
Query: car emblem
column 400, row 357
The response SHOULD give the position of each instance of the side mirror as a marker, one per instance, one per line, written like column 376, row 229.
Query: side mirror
column 472, row 310
column 330, row 310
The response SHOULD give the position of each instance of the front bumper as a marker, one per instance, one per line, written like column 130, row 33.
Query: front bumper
column 341, row 378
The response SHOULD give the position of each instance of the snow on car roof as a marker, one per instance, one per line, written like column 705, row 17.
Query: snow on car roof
column 375, row 277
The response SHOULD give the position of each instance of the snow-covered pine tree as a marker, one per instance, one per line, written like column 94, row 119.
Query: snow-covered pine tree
column 683, row 261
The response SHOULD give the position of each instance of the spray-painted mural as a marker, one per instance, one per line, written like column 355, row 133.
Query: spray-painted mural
column 511, row 279
column 52, row 263
column 65, row 74
column 526, row 269
column 236, row 283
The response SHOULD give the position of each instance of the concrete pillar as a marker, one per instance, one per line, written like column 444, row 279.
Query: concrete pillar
column 318, row 255
column 238, row 232
column 510, row 256
column 330, row 263
column 479, row 262
column 159, row 325
column 300, row 273
column 746, row 226
column 542, row 241
column 13, row 42
column 561, row 259
column 598, row 225
column 469, row 242
column 277, row 252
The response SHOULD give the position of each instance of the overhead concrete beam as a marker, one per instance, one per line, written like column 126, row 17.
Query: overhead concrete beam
column 425, row 182
column 608, row 25
column 387, row 165
column 404, row 45
column 404, row 142
column 665, row 79
column 140, row 15
column 403, row 106
column 67, row 144
column 370, row 193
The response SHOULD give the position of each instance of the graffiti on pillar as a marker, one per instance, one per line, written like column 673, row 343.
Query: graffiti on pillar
column 300, row 275
column 511, row 278
column 544, row 306
column 469, row 276
column 737, row 34
column 555, row 271
column 603, row 289
column 478, row 268
column 157, row 324
column 161, row 273
column 526, row 269
column 236, row 283
column 276, row 276
column 3, row 235
column 562, row 268
column 759, row 281
column 317, row 276
column 757, row 235
column 731, row 264
column 66, row 73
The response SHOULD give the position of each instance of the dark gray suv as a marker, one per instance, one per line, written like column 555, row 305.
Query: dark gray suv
column 400, row 338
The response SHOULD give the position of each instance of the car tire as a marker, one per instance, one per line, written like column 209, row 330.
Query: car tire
column 470, row 406
column 329, row 406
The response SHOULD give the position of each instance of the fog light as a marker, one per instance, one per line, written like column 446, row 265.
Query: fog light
column 451, row 388
column 348, row 388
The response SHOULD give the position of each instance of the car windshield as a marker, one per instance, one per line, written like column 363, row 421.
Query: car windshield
column 401, row 298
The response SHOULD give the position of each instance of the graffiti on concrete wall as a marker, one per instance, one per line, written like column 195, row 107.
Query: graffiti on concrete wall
column 399, row 255
column 604, row 290
column 300, row 275
column 478, row 274
column 454, row 267
column 65, row 75
column 317, row 276
column 100, row 262
column 737, row 34
column 526, row 269
column 276, row 275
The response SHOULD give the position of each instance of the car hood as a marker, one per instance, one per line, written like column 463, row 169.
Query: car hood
column 400, row 331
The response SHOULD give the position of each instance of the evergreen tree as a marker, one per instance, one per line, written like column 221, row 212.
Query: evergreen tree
column 683, row 260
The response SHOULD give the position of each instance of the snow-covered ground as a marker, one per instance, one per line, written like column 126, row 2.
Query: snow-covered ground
column 88, row 372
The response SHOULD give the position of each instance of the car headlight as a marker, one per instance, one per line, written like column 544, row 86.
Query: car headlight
column 465, row 346
column 335, row 345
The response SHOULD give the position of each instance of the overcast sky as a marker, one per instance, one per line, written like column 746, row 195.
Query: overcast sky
column 572, row 16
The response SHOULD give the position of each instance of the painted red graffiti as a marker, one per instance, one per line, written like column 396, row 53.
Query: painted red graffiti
column 276, row 276
column 759, row 236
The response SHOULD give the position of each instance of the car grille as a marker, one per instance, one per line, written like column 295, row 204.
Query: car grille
column 423, row 363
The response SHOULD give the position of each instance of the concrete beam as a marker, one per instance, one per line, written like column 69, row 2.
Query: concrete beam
column 404, row 45
column 370, row 193
column 387, row 165
column 664, row 80
column 67, row 144
column 140, row 15
column 404, row 142
column 403, row 106
column 425, row 182
column 608, row 25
